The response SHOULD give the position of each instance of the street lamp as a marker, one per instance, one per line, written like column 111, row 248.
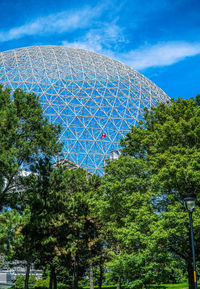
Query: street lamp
column 189, row 202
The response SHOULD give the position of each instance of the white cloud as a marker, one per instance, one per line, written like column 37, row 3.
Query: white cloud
column 54, row 23
column 163, row 54
column 90, row 42
column 104, row 40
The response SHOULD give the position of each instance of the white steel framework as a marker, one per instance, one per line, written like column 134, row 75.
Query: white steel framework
column 94, row 98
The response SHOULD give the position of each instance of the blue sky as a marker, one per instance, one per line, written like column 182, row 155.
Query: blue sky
column 158, row 38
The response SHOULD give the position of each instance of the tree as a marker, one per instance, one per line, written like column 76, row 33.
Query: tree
column 168, row 142
column 25, row 137
column 60, row 225
column 130, row 225
column 15, row 245
column 76, row 233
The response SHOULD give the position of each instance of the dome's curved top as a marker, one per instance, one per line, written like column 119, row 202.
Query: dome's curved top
column 96, row 99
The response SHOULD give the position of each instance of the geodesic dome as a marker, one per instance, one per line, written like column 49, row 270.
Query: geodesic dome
column 94, row 98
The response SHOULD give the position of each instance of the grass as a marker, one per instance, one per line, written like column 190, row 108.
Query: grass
column 153, row 286
column 172, row 286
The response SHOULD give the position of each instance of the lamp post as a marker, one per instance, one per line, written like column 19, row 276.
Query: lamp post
column 189, row 202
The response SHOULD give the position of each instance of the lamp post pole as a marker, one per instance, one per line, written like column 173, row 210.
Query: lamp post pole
column 189, row 204
column 193, row 250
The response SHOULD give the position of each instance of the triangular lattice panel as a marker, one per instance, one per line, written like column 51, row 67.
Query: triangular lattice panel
column 88, row 94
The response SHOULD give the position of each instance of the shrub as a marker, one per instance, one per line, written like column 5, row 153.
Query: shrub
column 63, row 286
column 104, row 287
column 20, row 281
column 42, row 284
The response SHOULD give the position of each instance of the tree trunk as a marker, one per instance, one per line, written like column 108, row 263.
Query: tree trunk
column 100, row 274
column 54, row 279
column 75, row 275
column 190, row 262
column 119, row 283
column 28, row 267
column 51, row 279
column 55, row 282
column 91, row 276
column 190, row 276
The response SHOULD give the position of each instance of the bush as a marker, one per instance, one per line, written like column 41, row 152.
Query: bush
column 104, row 287
column 169, row 286
column 20, row 281
column 63, row 286
column 42, row 284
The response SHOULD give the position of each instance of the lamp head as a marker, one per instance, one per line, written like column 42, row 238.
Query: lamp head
column 189, row 202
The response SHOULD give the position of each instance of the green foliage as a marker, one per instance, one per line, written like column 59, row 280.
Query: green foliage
column 168, row 140
column 105, row 287
column 44, row 284
column 60, row 225
column 141, row 203
column 25, row 137
column 11, row 239
column 26, row 140
column 63, row 286
column 20, row 281
column 169, row 286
